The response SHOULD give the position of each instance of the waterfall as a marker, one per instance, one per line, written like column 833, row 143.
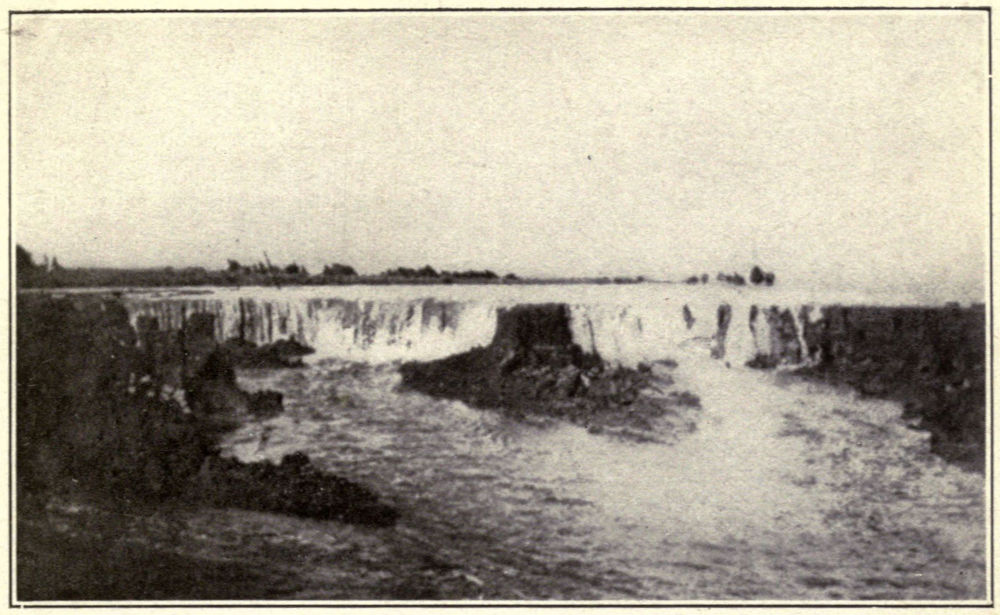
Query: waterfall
column 390, row 328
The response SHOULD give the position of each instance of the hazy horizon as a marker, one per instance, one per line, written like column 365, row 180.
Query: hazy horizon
column 849, row 148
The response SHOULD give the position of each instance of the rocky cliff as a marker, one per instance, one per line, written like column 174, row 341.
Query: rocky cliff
column 135, row 418
column 933, row 360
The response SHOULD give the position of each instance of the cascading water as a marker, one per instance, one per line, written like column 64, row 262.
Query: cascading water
column 783, row 490
column 360, row 330
column 377, row 330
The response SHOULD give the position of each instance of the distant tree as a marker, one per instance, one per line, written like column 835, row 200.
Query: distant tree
column 769, row 278
column 692, row 280
column 738, row 280
column 756, row 275
column 401, row 272
column 510, row 276
column 55, row 264
column 337, row 269
column 704, row 278
column 293, row 269
column 23, row 259
column 233, row 266
column 427, row 272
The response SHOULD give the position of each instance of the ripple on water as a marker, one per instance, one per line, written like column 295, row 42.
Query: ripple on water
column 782, row 492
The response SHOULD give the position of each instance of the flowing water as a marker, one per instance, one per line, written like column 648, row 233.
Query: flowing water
column 783, row 492
column 786, row 490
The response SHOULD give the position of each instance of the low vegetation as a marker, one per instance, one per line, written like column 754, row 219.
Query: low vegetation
column 50, row 274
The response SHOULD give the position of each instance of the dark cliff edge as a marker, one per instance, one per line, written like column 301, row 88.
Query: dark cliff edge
column 119, row 420
column 533, row 368
column 932, row 360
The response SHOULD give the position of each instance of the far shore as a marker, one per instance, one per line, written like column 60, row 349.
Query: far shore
column 87, row 282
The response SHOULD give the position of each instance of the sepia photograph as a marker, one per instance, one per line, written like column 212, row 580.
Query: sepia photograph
column 500, row 306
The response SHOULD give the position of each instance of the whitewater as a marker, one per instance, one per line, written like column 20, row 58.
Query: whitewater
column 623, row 323
column 786, row 490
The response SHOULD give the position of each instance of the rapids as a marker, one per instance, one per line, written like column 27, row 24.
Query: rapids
column 787, row 489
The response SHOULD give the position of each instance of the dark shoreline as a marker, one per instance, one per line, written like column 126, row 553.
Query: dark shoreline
column 128, row 423
column 931, row 360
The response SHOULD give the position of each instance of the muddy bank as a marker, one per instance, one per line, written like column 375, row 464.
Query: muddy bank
column 930, row 359
column 533, row 367
column 133, row 421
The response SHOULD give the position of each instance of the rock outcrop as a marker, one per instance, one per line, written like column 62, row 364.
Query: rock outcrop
column 295, row 487
column 137, row 418
column 281, row 353
column 930, row 359
column 776, row 337
column 533, row 367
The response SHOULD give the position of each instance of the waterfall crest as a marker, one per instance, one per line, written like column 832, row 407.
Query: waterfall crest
column 390, row 329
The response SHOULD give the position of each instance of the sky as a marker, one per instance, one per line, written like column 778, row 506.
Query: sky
column 844, row 148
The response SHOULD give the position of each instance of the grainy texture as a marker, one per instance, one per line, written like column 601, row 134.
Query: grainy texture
column 533, row 367
column 98, row 421
column 930, row 359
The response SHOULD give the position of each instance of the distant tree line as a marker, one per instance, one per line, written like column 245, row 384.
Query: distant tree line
column 428, row 272
column 52, row 275
column 758, row 277
column 29, row 273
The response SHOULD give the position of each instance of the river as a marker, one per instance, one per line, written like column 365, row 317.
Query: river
column 786, row 490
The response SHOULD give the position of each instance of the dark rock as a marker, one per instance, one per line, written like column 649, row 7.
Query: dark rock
column 90, row 414
column 532, row 367
column 783, row 345
column 96, row 415
column 282, row 353
column 688, row 317
column 932, row 360
column 568, row 381
column 293, row 487
column 723, row 317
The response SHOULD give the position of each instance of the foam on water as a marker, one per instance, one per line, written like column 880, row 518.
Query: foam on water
column 762, row 501
column 623, row 323
column 790, row 491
